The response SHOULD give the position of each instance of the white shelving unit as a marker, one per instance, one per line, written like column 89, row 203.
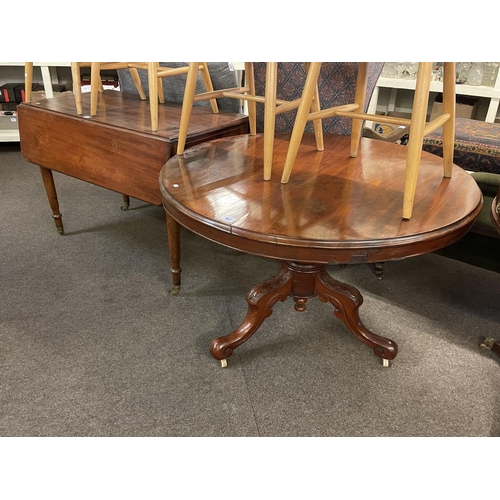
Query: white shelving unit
column 49, row 77
column 395, row 84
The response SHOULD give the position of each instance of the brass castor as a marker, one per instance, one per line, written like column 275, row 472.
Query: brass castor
column 487, row 343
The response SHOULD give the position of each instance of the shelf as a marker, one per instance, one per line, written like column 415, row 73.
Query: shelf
column 460, row 89
column 49, row 77
column 492, row 93
column 9, row 135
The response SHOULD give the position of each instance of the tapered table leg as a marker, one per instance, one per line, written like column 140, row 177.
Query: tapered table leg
column 302, row 282
column 126, row 202
column 379, row 270
column 174, row 246
column 50, row 188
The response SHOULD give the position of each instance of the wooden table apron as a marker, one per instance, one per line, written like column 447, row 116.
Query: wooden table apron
column 115, row 149
column 335, row 209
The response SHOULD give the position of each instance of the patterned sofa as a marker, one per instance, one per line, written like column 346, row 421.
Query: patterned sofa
column 477, row 149
column 477, row 145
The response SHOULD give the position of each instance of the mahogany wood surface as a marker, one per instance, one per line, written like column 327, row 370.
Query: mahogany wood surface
column 334, row 209
column 115, row 149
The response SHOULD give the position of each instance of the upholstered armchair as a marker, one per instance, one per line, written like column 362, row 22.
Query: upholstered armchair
column 336, row 86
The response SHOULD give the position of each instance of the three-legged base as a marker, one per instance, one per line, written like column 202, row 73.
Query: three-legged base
column 302, row 282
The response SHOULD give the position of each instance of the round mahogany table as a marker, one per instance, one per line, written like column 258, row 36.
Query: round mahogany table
column 334, row 210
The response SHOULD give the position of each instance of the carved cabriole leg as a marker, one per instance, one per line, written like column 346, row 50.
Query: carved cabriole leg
column 174, row 246
column 50, row 188
column 261, row 300
column 346, row 300
column 302, row 282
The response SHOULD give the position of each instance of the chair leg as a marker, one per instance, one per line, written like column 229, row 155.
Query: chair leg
column 269, row 117
column 449, row 126
column 252, row 106
column 359, row 99
column 28, row 80
column 153, row 95
column 161, row 94
column 187, row 105
column 137, row 82
column 95, row 83
column 317, row 124
column 77, row 86
column 301, row 119
column 418, row 117
column 205, row 75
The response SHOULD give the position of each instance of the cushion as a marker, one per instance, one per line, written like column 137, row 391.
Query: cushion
column 477, row 145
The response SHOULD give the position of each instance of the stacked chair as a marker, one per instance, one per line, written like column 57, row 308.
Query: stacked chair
column 309, row 108
column 263, row 87
column 155, row 72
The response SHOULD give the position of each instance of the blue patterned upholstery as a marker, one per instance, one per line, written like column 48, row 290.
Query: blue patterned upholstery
column 336, row 86
column 477, row 145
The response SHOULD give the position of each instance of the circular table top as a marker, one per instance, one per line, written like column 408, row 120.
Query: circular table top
column 333, row 209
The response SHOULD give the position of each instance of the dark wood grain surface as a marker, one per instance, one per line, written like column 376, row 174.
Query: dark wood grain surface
column 115, row 149
column 334, row 209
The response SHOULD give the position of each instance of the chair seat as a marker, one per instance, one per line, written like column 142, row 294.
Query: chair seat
column 477, row 145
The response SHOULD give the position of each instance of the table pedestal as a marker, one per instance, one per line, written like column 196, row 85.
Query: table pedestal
column 335, row 210
column 302, row 282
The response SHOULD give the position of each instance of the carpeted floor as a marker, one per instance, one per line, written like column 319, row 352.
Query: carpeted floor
column 92, row 344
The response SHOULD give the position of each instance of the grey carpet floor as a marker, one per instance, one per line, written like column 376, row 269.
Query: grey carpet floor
column 92, row 344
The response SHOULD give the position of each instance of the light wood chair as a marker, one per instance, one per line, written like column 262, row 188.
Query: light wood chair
column 418, row 128
column 96, row 83
column 28, row 80
column 272, row 106
column 190, row 97
column 155, row 85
